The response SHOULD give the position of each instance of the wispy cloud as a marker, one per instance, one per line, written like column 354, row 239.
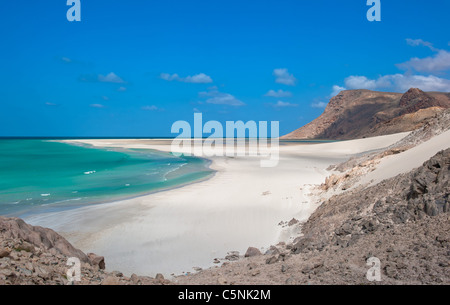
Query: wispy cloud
column 51, row 104
column 71, row 61
column 419, row 42
column 322, row 105
column 219, row 98
column 122, row 89
column 151, row 108
column 278, row 94
column 109, row 78
column 97, row 106
column 66, row 59
column 281, row 104
column 195, row 79
column 282, row 76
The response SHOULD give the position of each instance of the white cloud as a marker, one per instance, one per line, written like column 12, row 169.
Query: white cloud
column 426, row 83
column 436, row 63
column 122, row 89
column 399, row 83
column 220, row 98
column 336, row 90
column 282, row 76
column 110, row 78
column 319, row 105
column 195, row 79
column 281, row 104
column 50, row 104
column 279, row 93
column 439, row 62
column 97, row 106
column 169, row 77
column 224, row 99
column 360, row 82
column 66, row 59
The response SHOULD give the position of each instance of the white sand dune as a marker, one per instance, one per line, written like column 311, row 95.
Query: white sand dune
column 394, row 165
column 241, row 206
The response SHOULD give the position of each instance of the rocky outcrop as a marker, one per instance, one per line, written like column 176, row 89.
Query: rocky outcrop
column 32, row 255
column 363, row 113
column 415, row 99
column 47, row 239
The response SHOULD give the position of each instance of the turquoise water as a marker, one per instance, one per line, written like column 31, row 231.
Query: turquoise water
column 40, row 176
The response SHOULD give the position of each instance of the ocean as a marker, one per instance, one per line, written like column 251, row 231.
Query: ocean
column 38, row 176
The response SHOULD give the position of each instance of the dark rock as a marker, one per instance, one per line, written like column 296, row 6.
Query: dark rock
column 251, row 251
column 4, row 252
column 96, row 260
column 232, row 256
column 292, row 222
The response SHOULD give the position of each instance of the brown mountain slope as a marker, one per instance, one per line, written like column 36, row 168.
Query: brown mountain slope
column 356, row 114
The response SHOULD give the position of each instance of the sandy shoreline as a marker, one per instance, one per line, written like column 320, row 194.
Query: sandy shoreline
column 240, row 206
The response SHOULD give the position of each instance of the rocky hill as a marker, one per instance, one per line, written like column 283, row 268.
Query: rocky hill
column 31, row 255
column 356, row 114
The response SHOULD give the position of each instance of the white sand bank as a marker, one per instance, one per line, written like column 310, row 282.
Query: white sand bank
column 173, row 231
column 394, row 165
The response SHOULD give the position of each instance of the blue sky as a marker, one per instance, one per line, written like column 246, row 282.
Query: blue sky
column 133, row 68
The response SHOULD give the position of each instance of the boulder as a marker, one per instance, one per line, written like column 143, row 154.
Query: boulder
column 4, row 252
column 251, row 251
column 96, row 260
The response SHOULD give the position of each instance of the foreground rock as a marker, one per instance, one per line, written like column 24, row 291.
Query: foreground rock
column 32, row 255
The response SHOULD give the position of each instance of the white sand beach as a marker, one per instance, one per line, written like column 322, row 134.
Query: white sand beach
column 240, row 206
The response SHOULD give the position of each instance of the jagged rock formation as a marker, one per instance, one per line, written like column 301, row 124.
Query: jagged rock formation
column 356, row 114
column 32, row 255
